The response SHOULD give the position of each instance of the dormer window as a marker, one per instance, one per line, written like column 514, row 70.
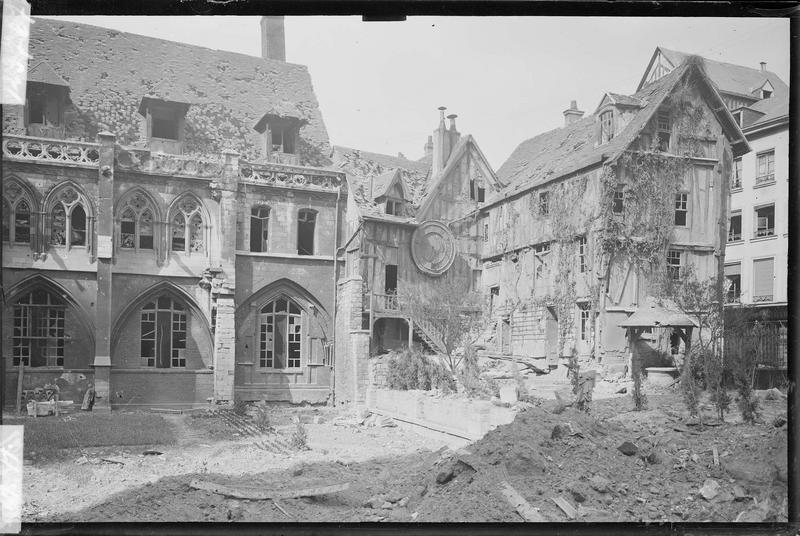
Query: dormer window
column 606, row 126
column 765, row 94
column 279, row 137
column 165, row 122
column 46, row 97
column 394, row 207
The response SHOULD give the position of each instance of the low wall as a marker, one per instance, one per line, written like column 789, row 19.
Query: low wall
column 72, row 383
column 160, row 387
column 469, row 419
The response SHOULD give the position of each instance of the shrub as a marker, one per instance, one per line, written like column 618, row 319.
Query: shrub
column 714, row 375
column 240, row 407
column 300, row 437
column 410, row 369
column 473, row 383
column 689, row 385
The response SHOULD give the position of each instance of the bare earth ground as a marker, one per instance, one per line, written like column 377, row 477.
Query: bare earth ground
column 397, row 475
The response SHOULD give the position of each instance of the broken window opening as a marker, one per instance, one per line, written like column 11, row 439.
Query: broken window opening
column 188, row 229
column 606, row 126
column 38, row 336
column 22, row 222
column 280, row 330
column 163, row 332
column 68, row 223
column 306, row 223
column 674, row 264
column 394, row 207
column 544, row 206
column 259, row 229
column 664, row 129
column 390, row 279
column 681, row 209
column 585, row 320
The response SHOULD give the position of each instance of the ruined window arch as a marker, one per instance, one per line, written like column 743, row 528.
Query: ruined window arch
column 18, row 211
column 187, row 229
column 69, row 218
column 280, row 335
column 306, row 227
column 136, row 223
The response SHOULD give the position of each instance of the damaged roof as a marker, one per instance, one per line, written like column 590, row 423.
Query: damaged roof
column 109, row 72
column 368, row 173
column 569, row 149
column 728, row 77
column 658, row 314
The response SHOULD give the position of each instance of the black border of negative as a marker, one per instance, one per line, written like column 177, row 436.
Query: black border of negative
column 382, row 10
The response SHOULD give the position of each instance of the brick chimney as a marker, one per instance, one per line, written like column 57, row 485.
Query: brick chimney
column 763, row 66
column 572, row 114
column 453, row 133
column 273, row 39
column 441, row 145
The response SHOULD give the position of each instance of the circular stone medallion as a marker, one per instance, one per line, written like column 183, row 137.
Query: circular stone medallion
column 433, row 247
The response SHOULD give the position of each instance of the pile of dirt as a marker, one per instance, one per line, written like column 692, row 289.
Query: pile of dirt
column 612, row 469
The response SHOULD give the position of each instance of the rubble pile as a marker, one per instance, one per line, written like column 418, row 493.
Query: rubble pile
column 575, row 466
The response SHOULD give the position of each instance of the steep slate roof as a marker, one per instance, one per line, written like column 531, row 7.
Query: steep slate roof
column 728, row 77
column 362, row 167
column 772, row 108
column 569, row 149
column 109, row 72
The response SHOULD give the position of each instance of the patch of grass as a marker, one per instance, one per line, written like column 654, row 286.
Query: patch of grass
column 49, row 434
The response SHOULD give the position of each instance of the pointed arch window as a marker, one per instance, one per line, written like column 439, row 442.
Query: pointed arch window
column 280, row 335
column 17, row 215
column 163, row 333
column 38, row 336
column 136, row 223
column 259, row 228
column 187, row 229
column 68, row 220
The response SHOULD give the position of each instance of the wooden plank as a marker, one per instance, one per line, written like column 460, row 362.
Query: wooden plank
column 519, row 503
column 715, row 452
column 565, row 506
column 263, row 494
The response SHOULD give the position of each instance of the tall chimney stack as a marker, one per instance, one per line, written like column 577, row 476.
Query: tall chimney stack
column 763, row 66
column 572, row 113
column 273, row 39
column 429, row 146
column 453, row 133
column 441, row 145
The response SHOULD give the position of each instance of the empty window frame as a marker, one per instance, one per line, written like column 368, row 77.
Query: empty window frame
column 17, row 222
column 735, row 227
column 736, row 179
column 163, row 334
column 544, row 203
column 674, row 263
column 618, row 202
column 494, row 299
column 606, row 126
column 585, row 320
column 765, row 167
column 187, row 229
column 733, row 282
column 259, row 229
column 306, row 224
column 68, row 220
column 280, row 335
column 765, row 221
column 165, row 122
column 582, row 251
column 38, row 334
column 681, row 209
column 477, row 192
column 394, row 207
column 763, row 280
column 282, row 138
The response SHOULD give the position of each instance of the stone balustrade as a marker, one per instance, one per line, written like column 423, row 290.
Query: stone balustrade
column 144, row 161
column 28, row 148
column 290, row 176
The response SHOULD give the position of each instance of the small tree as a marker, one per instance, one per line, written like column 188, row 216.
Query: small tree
column 450, row 313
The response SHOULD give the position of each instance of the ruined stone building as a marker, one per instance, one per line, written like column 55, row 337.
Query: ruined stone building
column 756, row 259
column 168, row 230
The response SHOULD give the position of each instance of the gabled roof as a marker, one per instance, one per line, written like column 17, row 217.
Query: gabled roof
column 569, row 149
column 109, row 72
column 729, row 78
column 620, row 100
column 658, row 314
column 382, row 184
column 43, row 73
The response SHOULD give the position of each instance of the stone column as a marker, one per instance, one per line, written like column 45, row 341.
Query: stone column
column 105, row 227
column 224, row 346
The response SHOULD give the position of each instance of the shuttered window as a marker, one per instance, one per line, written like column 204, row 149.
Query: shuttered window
column 763, row 275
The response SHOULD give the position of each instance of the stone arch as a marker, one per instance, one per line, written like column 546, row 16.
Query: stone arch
column 18, row 192
column 38, row 281
column 127, row 202
column 287, row 288
column 159, row 289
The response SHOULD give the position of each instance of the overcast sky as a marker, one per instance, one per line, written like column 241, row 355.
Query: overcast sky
column 379, row 83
